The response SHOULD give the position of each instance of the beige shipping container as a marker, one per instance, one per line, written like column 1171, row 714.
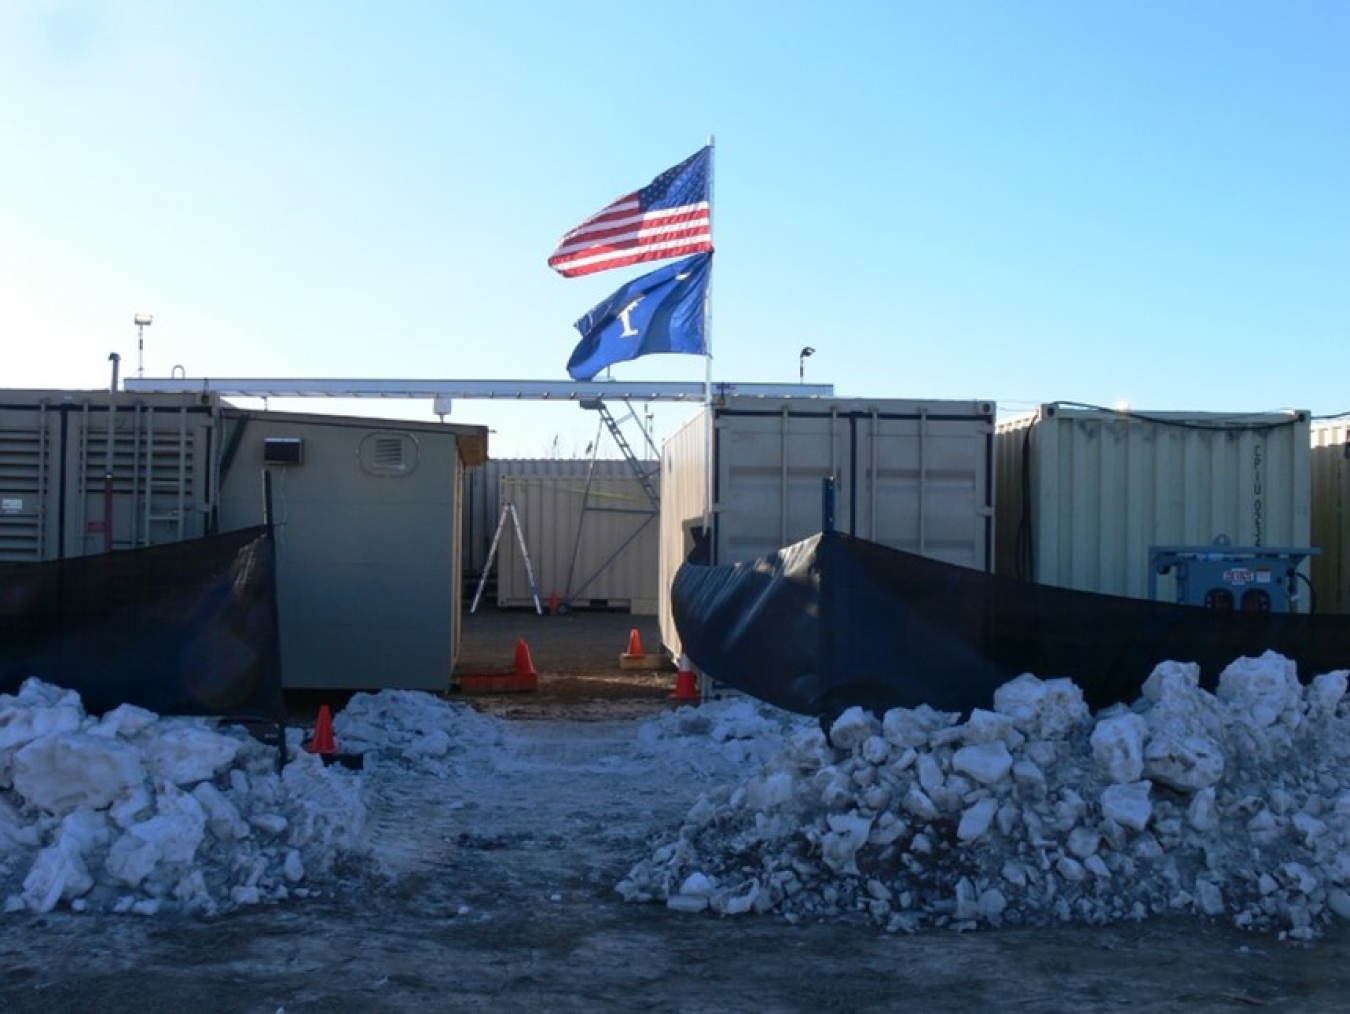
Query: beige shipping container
column 911, row 474
column 1085, row 493
column 482, row 484
column 84, row 472
column 482, row 506
column 1331, row 515
column 592, row 541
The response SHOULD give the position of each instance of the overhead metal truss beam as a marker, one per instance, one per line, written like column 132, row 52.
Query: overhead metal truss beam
column 445, row 391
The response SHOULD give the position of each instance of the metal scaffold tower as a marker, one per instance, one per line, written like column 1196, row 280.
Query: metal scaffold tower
column 615, row 427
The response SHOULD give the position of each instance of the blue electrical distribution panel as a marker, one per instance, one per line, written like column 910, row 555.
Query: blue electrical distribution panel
column 1250, row 579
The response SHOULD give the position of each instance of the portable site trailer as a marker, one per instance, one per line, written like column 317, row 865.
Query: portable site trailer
column 1086, row 494
column 1331, row 515
column 590, row 528
column 86, row 472
column 367, row 516
column 915, row 475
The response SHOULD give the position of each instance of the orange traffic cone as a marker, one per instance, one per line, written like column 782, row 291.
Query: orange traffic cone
column 634, row 645
column 322, row 741
column 636, row 658
column 686, row 683
column 524, row 678
column 524, row 664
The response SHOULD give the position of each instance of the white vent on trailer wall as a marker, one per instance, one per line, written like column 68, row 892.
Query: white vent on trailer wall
column 389, row 453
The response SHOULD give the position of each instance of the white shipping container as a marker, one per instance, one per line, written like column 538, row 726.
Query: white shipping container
column 1331, row 515
column 914, row 475
column 1085, row 493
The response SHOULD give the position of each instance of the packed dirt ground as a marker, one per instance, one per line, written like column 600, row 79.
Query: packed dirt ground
column 578, row 659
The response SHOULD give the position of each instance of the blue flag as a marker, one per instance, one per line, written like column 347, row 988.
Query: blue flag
column 658, row 312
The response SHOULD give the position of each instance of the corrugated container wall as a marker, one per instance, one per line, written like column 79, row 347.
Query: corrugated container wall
column 1331, row 515
column 87, row 471
column 482, row 509
column 1085, row 493
column 482, row 486
column 684, row 499
column 915, row 475
column 599, row 546
column 592, row 542
column 367, row 515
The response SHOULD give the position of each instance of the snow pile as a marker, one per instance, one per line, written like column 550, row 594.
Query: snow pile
column 131, row 812
column 410, row 730
column 718, row 737
column 1233, row 805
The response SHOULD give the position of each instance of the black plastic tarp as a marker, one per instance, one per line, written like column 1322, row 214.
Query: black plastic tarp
column 188, row 628
column 835, row 621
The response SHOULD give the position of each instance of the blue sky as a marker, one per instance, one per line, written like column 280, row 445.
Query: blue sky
column 1024, row 202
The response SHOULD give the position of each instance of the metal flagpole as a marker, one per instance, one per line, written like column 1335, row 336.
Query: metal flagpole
column 707, row 367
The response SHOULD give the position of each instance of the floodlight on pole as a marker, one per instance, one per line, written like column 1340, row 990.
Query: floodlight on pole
column 142, row 321
column 802, row 356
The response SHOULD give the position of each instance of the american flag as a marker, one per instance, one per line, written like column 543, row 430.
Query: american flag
column 670, row 217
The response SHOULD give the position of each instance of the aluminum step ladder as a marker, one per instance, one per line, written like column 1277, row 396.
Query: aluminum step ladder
column 508, row 510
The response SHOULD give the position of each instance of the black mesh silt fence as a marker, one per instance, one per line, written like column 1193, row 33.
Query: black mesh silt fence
column 835, row 620
column 188, row 628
